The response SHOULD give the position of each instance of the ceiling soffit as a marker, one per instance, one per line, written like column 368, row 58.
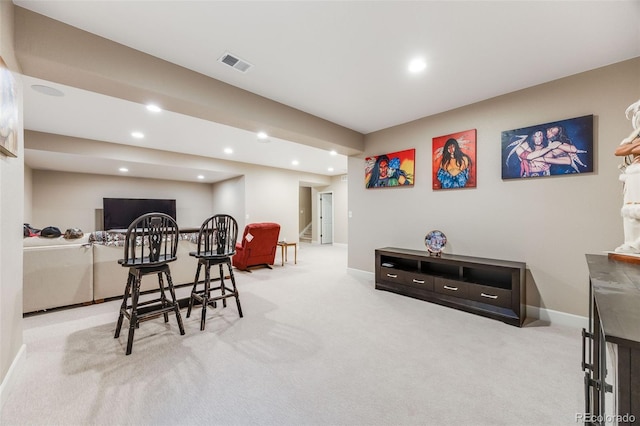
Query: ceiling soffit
column 103, row 66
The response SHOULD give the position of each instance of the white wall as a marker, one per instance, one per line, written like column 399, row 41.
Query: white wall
column 71, row 200
column 228, row 198
column 11, row 214
column 28, row 196
column 549, row 223
column 273, row 197
column 340, row 192
column 263, row 194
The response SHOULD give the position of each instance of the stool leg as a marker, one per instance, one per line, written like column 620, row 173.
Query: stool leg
column 123, row 306
column 163, row 297
column 133, row 321
column 193, row 290
column 235, row 289
column 222, row 288
column 176, row 306
column 205, row 295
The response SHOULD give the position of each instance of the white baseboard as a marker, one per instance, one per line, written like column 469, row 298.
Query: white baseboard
column 316, row 242
column 533, row 312
column 362, row 274
column 557, row 317
column 12, row 374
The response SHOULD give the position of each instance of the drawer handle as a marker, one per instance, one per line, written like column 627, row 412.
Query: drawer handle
column 489, row 296
column 586, row 335
column 392, row 275
column 451, row 288
column 418, row 281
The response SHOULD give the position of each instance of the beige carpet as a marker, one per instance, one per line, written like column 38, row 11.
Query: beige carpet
column 317, row 346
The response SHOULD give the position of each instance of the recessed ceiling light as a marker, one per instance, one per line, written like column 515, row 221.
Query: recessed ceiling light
column 295, row 162
column 46, row 90
column 137, row 135
column 263, row 136
column 228, row 151
column 330, row 169
column 154, row 108
column 417, row 65
column 123, row 169
column 200, row 177
column 333, row 152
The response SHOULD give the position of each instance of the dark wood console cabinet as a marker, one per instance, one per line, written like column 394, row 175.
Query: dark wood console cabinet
column 488, row 287
column 611, row 346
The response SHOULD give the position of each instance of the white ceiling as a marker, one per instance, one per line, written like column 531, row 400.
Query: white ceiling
column 345, row 62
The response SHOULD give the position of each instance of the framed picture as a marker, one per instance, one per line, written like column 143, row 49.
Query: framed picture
column 8, row 112
column 454, row 160
column 550, row 149
column 393, row 169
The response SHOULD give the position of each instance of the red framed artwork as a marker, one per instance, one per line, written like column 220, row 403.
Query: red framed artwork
column 454, row 160
column 389, row 170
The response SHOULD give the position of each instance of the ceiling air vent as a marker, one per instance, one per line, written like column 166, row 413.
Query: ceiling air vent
column 235, row 62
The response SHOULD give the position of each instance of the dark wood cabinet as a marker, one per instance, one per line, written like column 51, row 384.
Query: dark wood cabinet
column 611, row 346
column 488, row 287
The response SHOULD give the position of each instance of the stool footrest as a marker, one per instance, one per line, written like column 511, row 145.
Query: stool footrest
column 150, row 312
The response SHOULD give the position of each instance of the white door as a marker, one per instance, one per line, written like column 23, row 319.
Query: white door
column 326, row 218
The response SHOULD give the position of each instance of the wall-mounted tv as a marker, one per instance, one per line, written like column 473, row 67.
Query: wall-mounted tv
column 120, row 212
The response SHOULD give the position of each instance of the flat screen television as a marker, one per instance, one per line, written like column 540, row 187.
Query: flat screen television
column 120, row 212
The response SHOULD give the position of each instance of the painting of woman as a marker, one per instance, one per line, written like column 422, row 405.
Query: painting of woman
column 454, row 160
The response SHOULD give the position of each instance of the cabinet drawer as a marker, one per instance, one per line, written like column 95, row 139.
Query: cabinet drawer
column 392, row 275
column 491, row 295
column 451, row 287
column 422, row 281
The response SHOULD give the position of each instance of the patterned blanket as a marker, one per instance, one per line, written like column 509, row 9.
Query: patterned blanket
column 117, row 239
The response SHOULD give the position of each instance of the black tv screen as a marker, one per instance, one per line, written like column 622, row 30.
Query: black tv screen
column 120, row 212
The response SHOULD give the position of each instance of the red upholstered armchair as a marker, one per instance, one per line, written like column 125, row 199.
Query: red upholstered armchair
column 258, row 245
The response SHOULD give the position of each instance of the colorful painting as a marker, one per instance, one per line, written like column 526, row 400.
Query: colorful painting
column 394, row 169
column 454, row 160
column 557, row 148
column 8, row 112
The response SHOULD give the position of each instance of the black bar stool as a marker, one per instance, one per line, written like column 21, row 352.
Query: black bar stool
column 216, row 245
column 151, row 244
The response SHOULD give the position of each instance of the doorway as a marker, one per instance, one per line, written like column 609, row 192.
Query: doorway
column 326, row 218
